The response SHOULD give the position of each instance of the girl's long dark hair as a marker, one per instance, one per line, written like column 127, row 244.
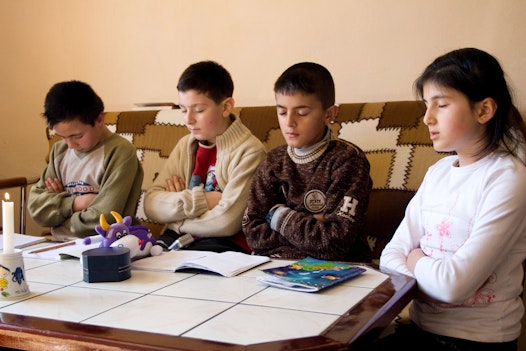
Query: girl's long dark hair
column 478, row 75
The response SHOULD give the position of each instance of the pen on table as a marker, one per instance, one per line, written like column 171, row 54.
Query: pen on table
column 90, row 240
column 84, row 241
column 53, row 247
column 181, row 242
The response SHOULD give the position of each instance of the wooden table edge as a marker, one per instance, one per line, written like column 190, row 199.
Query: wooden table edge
column 363, row 321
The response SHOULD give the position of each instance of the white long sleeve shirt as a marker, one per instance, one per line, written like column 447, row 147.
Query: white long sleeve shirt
column 470, row 222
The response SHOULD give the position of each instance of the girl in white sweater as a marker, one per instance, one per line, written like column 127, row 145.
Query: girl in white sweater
column 464, row 233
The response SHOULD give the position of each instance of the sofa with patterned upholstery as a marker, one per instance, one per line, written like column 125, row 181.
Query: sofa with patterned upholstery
column 391, row 133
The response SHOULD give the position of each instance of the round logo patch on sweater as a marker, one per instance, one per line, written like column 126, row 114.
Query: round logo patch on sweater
column 314, row 201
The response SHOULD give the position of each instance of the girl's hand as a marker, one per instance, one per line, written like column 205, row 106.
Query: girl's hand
column 413, row 258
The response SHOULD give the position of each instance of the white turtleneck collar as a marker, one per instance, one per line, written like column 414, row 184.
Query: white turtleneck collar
column 310, row 153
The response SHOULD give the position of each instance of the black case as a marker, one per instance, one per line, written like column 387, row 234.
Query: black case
column 106, row 264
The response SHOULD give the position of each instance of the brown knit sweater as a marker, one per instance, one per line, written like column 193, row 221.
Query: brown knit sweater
column 333, row 181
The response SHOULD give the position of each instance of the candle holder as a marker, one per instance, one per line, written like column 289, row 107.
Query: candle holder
column 13, row 284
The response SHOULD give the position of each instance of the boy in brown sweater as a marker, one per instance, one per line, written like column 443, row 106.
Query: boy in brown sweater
column 309, row 197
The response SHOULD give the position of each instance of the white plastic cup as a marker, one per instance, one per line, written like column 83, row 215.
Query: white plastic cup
column 13, row 284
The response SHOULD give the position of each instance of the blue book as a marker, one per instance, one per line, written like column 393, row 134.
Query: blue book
column 310, row 274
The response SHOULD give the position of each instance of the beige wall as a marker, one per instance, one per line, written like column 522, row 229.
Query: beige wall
column 134, row 50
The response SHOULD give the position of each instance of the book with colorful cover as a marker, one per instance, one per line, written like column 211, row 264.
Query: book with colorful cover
column 310, row 274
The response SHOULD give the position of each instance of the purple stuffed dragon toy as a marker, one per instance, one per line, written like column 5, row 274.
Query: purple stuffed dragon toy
column 137, row 238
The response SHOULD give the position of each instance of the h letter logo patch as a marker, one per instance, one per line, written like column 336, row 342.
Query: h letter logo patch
column 348, row 209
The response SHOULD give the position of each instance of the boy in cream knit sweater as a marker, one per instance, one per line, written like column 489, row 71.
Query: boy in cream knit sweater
column 203, row 188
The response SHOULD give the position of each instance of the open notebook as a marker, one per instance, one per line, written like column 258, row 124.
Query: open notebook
column 227, row 264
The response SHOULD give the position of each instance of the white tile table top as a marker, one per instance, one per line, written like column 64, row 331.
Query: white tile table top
column 204, row 306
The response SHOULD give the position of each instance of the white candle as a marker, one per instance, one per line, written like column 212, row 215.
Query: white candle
column 8, row 224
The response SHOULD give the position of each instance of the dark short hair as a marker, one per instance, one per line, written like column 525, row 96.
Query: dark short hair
column 209, row 78
column 71, row 100
column 308, row 78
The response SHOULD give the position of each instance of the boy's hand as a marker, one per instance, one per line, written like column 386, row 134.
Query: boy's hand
column 212, row 198
column 319, row 217
column 175, row 184
column 81, row 202
column 53, row 185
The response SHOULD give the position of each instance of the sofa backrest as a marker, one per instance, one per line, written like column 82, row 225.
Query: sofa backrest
column 392, row 135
